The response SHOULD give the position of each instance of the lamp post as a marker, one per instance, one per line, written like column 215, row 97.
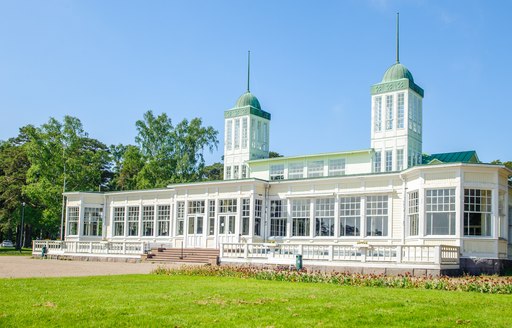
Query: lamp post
column 22, row 237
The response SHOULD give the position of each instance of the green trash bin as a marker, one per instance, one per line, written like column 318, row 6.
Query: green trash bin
column 44, row 250
column 298, row 261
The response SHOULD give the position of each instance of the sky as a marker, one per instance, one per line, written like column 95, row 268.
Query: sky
column 312, row 66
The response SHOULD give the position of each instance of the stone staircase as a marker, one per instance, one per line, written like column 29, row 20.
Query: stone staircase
column 186, row 255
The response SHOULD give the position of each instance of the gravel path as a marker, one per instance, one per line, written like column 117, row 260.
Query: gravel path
column 26, row 267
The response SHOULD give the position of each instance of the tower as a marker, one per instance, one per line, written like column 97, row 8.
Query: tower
column 396, row 131
column 246, row 133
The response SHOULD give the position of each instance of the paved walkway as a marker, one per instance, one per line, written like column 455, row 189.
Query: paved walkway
column 25, row 267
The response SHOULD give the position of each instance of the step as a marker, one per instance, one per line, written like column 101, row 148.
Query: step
column 185, row 255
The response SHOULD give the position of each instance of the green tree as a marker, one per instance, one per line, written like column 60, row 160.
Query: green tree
column 62, row 155
column 14, row 165
column 132, row 163
column 214, row 172
column 172, row 154
column 274, row 154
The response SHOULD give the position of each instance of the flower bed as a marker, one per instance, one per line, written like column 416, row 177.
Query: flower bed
column 481, row 284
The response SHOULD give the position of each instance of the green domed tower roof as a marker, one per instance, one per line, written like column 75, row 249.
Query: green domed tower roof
column 248, row 99
column 397, row 72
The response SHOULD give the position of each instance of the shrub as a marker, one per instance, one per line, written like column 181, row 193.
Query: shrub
column 481, row 284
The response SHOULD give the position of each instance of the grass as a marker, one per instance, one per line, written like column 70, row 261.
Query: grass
column 11, row 251
column 188, row 301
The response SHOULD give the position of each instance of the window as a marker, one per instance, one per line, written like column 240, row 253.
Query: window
column 229, row 135
column 336, row 167
column 265, row 134
column 377, row 216
column 315, row 169
column 237, row 133
column 180, row 218
column 73, row 216
column 253, row 133
column 376, row 162
column 148, row 220
column 277, row 218
column 477, row 212
column 119, row 221
column 389, row 160
column 196, row 207
column 244, row 133
column 415, row 113
column 257, row 216
column 246, row 212
column 227, row 222
column 389, row 112
column 440, row 212
column 227, row 206
column 244, row 171
column 324, row 217
column 400, row 111
column 413, row 215
column 228, row 172
column 300, row 217
column 502, row 225
column 295, row 170
column 211, row 217
column 277, row 172
column 163, row 220
column 260, row 137
column 133, row 221
column 235, row 172
column 377, row 105
column 350, row 216
column 399, row 159
column 92, row 221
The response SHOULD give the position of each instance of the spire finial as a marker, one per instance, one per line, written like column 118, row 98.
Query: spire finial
column 248, row 69
column 397, row 38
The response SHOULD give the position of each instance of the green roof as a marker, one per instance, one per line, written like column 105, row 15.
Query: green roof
column 397, row 72
column 248, row 99
column 456, row 157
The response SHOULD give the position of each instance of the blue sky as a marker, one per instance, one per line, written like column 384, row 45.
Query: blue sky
column 313, row 62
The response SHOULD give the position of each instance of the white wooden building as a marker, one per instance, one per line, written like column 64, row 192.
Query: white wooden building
column 386, row 206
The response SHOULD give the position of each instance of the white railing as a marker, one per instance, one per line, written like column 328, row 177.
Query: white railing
column 89, row 247
column 420, row 254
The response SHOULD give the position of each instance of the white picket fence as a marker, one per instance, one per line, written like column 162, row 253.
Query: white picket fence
column 407, row 254
column 89, row 247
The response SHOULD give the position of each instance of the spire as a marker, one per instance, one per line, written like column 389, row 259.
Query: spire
column 397, row 38
column 248, row 70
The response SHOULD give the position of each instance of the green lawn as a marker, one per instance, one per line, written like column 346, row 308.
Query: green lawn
column 184, row 301
column 8, row 251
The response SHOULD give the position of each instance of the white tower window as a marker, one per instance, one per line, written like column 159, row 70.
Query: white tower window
column 229, row 135
column 378, row 114
column 244, row 133
column 400, row 111
column 389, row 160
column 399, row 159
column 237, row 133
column 389, row 112
column 377, row 162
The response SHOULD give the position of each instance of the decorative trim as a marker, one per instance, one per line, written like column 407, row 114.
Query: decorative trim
column 246, row 110
column 395, row 86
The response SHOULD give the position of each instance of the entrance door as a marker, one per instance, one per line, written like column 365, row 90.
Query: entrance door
column 194, row 236
column 227, row 229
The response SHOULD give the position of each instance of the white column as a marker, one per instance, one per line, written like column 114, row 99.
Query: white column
column 422, row 218
column 311, row 218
